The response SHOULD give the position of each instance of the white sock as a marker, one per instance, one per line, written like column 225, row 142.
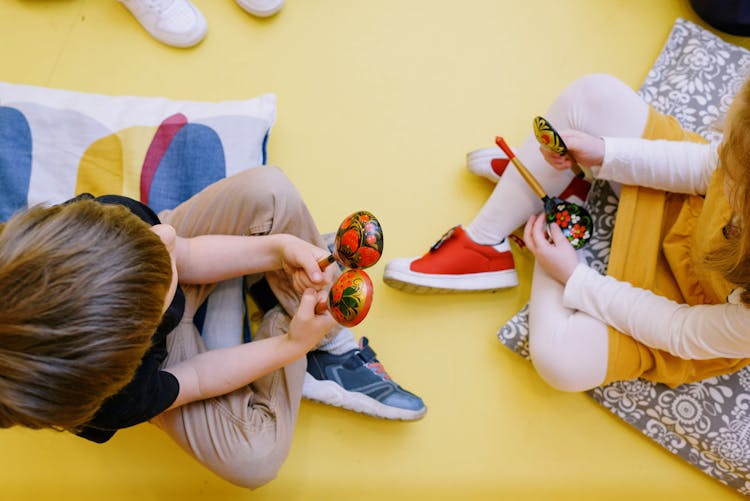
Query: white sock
column 343, row 341
column 474, row 238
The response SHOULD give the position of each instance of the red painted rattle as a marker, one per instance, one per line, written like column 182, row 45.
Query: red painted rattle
column 359, row 244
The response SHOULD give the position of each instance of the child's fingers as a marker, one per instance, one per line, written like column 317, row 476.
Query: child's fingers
column 307, row 302
column 528, row 236
column 534, row 233
column 321, row 305
column 312, row 268
column 559, row 162
column 557, row 235
column 540, row 230
column 559, row 239
column 305, row 259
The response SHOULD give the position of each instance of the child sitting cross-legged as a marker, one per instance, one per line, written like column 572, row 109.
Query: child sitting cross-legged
column 98, row 330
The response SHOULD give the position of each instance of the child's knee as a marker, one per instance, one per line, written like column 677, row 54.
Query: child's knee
column 266, row 190
column 594, row 91
column 563, row 369
column 554, row 369
column 257, row 476
column 559, row 376
column 246, row 467
column 266, row 182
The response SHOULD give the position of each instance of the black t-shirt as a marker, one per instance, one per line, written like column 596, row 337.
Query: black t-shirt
column 151, row 391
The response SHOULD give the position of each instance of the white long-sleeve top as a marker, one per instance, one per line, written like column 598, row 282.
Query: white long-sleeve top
column 690, row 332
column 674, row 166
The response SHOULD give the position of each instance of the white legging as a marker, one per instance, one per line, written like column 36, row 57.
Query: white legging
column 569, row 348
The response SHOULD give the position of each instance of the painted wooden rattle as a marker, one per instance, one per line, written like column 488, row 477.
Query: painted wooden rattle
column 359, row 244
column 548, row 137
column 350, row 297
column 574, row 220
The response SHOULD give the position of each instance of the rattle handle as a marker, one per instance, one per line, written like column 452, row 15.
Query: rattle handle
column 320, row 308
column 323, row 263
column 575, row 167
column 525, row 174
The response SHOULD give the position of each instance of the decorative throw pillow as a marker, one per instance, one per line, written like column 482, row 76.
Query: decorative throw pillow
column 57, row 143
column 706, row 423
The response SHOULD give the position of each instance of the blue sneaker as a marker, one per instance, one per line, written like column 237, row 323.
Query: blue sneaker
column 358, row 382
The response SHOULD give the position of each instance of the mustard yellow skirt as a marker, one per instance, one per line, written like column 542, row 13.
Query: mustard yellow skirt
column 644, row 217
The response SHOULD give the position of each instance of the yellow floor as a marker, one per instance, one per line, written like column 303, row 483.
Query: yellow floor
column 378, row 103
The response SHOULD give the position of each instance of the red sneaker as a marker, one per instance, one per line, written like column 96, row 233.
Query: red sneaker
column 455, row 263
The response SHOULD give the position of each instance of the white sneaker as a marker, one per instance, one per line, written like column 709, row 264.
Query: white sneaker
column 261, row 8
column 174, row 22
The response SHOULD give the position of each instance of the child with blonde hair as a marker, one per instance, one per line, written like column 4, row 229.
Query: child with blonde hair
column 674, row 308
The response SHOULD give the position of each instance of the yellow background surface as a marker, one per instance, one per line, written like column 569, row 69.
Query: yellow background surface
column 378, row 102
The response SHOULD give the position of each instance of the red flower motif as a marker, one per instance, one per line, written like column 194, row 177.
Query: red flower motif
column 562, row 219
column 578, row 231
column 366, row 257
column 350, row 241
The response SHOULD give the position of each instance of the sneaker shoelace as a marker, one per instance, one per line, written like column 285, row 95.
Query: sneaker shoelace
column 367, row 356
column 442, row 239
column 378, row 369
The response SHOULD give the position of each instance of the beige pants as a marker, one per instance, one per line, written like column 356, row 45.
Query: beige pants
column 243, row 436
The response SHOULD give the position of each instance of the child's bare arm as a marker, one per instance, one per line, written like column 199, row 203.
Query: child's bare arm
column 212, row 258
column 217, row 372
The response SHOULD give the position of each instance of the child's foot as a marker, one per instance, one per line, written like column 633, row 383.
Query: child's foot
column 261, row 8
column 174, row 22
column 356, row 381
column 492, row 162
column 455, row 263
column 487, row 162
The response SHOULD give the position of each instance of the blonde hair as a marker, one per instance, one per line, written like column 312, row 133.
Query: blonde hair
column 83, row 286
column 732, row 259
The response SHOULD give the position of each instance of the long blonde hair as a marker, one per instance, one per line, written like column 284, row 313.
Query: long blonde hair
column 83, row 286
column 732, row 259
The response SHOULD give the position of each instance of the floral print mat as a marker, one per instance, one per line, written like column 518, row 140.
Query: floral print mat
column 706, row 423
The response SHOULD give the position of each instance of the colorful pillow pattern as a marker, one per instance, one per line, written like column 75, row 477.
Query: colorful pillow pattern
column 55, row 144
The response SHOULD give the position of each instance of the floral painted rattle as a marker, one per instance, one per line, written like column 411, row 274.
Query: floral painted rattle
column 548, row 137
column 359, row 244
column 574, row 220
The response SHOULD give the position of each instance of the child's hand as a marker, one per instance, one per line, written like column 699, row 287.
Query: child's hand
column 585, row 148
column 307, row 328
column 558, row 257
column 299, row 259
